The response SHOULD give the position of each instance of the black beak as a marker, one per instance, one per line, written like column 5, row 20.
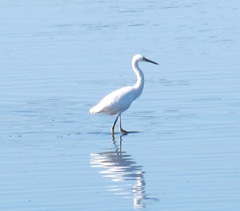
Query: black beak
column 148, row 60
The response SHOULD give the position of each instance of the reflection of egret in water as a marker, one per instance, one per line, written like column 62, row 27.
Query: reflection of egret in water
column 127, row 176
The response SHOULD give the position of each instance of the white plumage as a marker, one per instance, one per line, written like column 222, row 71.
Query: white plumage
column 116, row 102
column 120, row 100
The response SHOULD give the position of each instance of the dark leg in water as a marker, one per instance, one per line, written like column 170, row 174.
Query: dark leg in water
column 112, row 129
column 122, row 130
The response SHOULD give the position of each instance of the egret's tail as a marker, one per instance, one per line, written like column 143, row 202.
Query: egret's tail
column 93, row 110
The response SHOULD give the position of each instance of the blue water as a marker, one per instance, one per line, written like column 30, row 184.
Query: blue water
column 58, row 59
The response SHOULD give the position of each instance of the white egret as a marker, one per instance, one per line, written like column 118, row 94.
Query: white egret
column 120, row 100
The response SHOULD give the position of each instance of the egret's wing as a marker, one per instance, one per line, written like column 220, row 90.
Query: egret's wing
column 115, row 102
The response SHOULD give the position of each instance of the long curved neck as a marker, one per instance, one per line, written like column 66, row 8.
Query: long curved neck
column 138, row 86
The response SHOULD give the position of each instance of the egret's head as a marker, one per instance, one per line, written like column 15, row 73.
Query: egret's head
column 139, row 57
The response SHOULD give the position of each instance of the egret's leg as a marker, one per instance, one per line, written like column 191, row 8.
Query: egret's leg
column 122, row 130
column 112, row 129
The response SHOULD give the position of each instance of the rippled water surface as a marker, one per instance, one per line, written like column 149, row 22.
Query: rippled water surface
column 59, row 58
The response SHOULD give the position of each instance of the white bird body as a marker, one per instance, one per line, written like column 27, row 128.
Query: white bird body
column 116, row 102
column 120, row 100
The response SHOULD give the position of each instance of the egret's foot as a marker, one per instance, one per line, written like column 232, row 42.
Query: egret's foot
column 123, row 131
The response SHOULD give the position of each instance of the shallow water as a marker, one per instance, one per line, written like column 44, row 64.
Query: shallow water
column 57, row 59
